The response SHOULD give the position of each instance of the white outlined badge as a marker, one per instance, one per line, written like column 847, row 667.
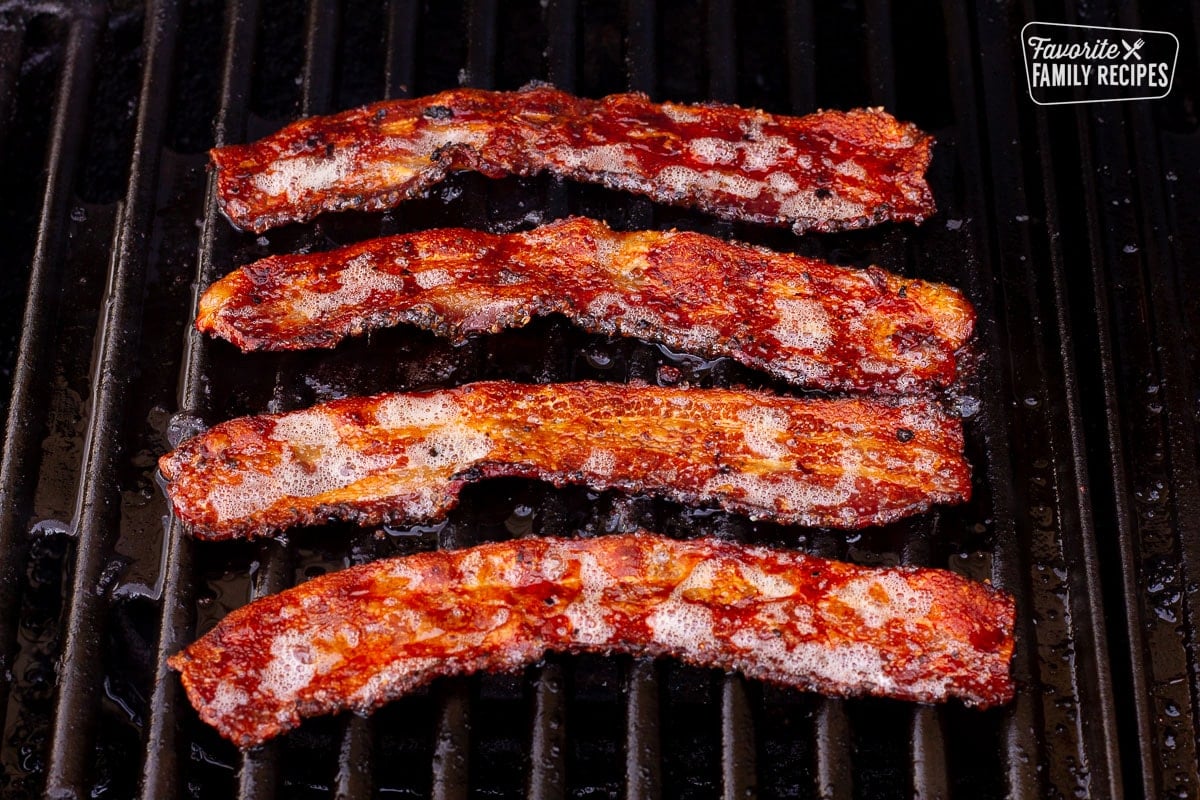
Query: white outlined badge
column 1089, row 64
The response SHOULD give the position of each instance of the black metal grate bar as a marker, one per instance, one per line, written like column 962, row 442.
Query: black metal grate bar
column 452, row 749
column 321, row 39
column 1148, row 406
column 737, row 741
column 1089, row 631
column 833, row 773
column 1045, row 542
column 928, row 754
column 481, row 38
column 25, row 424
column 927, row 738
column 353, row 777
column 79, row 682
column 259, row 776
column 1020, row 726
column 880, row 53
column 548, row 745
column 1134, row 555
column 562, row 20
column 161, row 770
column 640, row 45
column 927, row 751
column 832, row 768
column 355, row 760
column 1167, row 263
column 547, row 751
column 643, row 759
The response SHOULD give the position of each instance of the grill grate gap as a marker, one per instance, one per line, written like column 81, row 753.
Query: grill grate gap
column 278, row 60
column 112, row 121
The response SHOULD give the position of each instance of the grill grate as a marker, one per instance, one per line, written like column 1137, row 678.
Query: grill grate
column 1149, row 412
column 107, row 109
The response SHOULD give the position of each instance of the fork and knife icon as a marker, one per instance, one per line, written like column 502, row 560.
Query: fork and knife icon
column 1132, row 49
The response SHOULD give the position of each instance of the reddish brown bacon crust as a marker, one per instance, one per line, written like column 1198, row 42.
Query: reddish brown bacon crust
column 800, row 319
column 827, row 171
column 359, row 638
column 842, row 463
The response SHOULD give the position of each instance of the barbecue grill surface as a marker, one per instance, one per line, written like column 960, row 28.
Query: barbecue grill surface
column 1067, row 228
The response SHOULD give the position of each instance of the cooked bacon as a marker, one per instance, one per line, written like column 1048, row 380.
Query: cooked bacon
column 359, row 638
column 798, row 318
column 828, row 171
column 842, row 463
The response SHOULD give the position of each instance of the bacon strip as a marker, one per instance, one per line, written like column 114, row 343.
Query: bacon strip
column 828, row 171
column 798, row 318
column 843, row 463
column 359, row 638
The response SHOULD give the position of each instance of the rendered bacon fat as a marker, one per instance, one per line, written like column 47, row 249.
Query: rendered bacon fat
column 827, row 171
column 801, row 319
column 359, row 638
column 844, row 463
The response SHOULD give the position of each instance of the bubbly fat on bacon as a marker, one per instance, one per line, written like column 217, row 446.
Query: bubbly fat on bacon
column 828, row 171
column 798, row 318
column 843, row 463
column 359, row 638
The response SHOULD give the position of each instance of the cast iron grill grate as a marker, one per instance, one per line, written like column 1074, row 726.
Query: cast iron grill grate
column 106, row 110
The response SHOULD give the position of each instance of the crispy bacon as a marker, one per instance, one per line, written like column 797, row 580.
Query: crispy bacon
column 359, row 638
column 828, row 171
column 798, row 318
column 842, row 463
